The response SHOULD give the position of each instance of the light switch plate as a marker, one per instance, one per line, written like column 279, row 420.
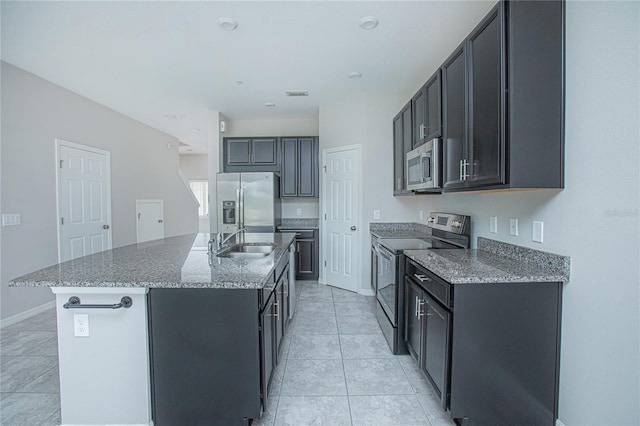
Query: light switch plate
column 513, row 226
column 537, row 233
column 376, row 214
column 493, row 224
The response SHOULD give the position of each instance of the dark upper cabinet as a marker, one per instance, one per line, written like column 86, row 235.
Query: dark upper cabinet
column 427, row 111
column 503, row 122
column 486, row 93
column 237, row 151
column 299, row 167
column 398, row 155
column 250, row 154
column 402, row 143
column 433, row 91
column 454, row 123
column 264, row 151
column 419, row 117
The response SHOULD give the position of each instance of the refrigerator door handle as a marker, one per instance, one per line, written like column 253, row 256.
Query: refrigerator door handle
column 241, row 208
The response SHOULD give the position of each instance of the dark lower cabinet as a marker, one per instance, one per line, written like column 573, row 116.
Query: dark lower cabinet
column 490, row 350
column 427, row 334
column 307, row 254
column 213, row 351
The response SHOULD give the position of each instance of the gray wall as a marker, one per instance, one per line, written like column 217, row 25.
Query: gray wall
column 35, row 113
column 595, row 220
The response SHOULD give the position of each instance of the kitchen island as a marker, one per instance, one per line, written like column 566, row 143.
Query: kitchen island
column 188, row 338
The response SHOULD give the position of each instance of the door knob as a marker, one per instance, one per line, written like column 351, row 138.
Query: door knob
column 105, row 226
column 159, row 220
column 353, row 228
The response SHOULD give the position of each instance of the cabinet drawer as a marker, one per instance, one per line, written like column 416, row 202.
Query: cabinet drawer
column 302, row 234
column 434, row 285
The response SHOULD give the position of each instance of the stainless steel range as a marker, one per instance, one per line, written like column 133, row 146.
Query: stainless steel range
column 448, row 231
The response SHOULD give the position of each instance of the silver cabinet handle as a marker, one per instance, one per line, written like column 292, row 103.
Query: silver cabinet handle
column 415, row 312
column 419, row 306
column 422, row 278
column 465, row 164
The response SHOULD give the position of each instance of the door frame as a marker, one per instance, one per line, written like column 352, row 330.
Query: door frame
column 156, row 200
column 59, row 143
column 323, row 208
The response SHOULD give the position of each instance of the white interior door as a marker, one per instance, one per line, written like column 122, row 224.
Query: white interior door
column 84, row 200
column 341, row 185
column 150, row 220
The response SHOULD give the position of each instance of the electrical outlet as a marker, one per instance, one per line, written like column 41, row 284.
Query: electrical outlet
column 376, row 214
column 10, row 219
column 299, row 212
column 81, row 325
column 513, row 226
column 537, row 233
column 493, row 224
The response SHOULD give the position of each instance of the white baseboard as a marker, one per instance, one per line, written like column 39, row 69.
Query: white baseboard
column 26, row 314
column 559, row 423
column 366, row 292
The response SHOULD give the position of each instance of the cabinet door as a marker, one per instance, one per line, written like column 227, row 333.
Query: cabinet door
column 304, row 257
column 398, row 156
column 486, row 103
column 454, row 137
column 436, row 346
column 307, row 167
column 407, row 141
column 267, row 336
column 412, row 326
column 419, row 111
column 434, row 107
column 238, row 152
column 264, row 151
column 289, row 170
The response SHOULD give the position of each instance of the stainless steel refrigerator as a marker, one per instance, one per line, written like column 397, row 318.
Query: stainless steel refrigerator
column 248, row 200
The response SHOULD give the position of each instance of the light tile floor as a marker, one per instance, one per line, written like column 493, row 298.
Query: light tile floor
column 337, row 370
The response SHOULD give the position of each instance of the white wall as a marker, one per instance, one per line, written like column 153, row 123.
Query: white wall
column 272, row 127
column 196, row 167
column 35, row 113
column 595, row 219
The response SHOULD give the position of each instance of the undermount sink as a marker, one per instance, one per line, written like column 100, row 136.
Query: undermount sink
column 247, row 250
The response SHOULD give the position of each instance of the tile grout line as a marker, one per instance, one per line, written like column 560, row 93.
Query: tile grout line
column 344, row 372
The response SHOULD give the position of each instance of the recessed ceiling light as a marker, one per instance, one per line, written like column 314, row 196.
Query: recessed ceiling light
column 195, row 130
column 228, row 24
column 355, row 75
column 368, row 22
column 269, row 104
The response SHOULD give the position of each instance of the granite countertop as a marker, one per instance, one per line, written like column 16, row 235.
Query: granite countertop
column 399, row 230
column 291, row 223
column 493, row 262
column 176, row 262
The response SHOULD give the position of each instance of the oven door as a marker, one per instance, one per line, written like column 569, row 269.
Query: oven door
column 386, row 282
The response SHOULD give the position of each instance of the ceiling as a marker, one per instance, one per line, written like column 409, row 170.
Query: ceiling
column 168, row 63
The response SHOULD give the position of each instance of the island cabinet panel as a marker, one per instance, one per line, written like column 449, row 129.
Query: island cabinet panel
column 205, row 356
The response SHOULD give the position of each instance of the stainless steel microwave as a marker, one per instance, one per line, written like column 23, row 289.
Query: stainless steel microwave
column 423, row 167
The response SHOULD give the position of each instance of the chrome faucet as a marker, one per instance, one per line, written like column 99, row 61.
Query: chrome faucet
column 221, row 241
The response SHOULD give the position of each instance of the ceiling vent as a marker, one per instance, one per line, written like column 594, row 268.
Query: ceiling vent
column 297, row 93
column 183, row 144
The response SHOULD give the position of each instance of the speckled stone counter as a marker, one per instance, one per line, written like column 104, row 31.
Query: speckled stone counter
column 494, row 262
column 292, row 223
column 176, row 262
column 399, row 230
